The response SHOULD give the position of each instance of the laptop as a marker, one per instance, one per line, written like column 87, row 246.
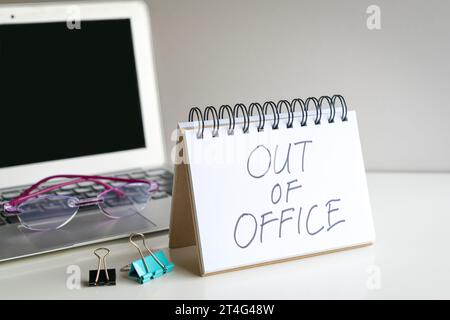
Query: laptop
column 78, row 95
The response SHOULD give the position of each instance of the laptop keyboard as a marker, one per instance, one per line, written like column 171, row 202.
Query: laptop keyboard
column 89, row 189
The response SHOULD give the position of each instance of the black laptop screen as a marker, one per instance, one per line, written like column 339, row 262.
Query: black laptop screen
column 67, row 92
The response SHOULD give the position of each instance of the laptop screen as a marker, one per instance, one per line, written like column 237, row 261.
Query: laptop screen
column 67, row 92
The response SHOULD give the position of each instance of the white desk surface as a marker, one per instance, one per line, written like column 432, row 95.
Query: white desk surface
column 409, row 260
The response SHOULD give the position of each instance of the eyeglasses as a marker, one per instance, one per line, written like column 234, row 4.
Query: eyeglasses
column 42, row 211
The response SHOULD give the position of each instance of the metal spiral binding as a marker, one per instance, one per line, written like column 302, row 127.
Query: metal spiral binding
column 262, row 118
column 330, row 105
column 276, row 114
column 213, row 111
column 198, row 113
column 262, row 110
column 231, row 122
column 243, row 108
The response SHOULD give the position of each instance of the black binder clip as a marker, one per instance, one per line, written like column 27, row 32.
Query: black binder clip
column 102, row 277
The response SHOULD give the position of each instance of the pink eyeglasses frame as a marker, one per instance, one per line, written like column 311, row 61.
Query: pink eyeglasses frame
column 10, row 207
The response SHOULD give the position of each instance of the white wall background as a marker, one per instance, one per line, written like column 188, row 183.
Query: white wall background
column 211, row 52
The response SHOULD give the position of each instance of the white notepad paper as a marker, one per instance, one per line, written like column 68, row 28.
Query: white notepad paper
column 276, row 194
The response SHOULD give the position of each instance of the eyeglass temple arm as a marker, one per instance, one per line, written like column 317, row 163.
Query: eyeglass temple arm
column 27, row 196
column 83, row 177
column 37, row 184
column 78, row 178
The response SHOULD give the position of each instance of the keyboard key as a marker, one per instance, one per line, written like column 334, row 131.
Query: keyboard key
column 82, row 190
column 10, row 195
column 81, row 196
column 166, row 188
column 98, row 187
column 85, row 184
column 53, row 205
column 137, row 175
column 167, row 176
column 123, row 176
column 117, row 184
column 163, row 182
column 69, row 187
column 154, row 173
column 118, row 202
column 159, row 195
column 64, row 193
column 91, row 194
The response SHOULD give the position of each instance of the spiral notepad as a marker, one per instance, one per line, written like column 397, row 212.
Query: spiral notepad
column 268, row 182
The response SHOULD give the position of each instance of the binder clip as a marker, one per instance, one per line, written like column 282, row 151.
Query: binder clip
column 148, row 267
column 102, row 277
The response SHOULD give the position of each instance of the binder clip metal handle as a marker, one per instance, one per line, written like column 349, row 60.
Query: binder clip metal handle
column 150, row 266
column 101, row 259
column 103, row 276
column 133, row 235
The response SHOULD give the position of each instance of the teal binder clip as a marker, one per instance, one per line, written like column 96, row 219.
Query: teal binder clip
column 148, row 267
